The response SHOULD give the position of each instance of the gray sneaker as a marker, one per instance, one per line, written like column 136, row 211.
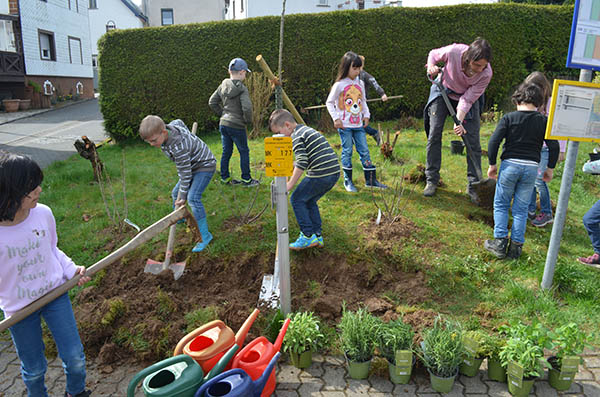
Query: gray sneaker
column 514, row 250
column 497, row 247
column 250, row 182
column 542, row 220
column 429, row 190
column 531, row 216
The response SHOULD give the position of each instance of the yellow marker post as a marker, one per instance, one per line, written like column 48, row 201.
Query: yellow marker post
column 279, row 157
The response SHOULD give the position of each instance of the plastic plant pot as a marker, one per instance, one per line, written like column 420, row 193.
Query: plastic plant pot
column 396, row 374
column 441, row 384
column 470, row 366
column 496, row 371
column 558, row 382
column 301, row 360
column 358, row 370
column 522, row 391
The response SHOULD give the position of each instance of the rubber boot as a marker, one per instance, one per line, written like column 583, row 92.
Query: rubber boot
column 206, row 236
column 348, row 182
column 371, row 180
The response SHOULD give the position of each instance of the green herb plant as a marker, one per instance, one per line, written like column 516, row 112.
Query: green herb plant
column 393, row 336
column 442, row 348
column 303, row 333
column 525, row 346
column 491, row 345
column 479, row 337
column 358, row 330
column 567, row 340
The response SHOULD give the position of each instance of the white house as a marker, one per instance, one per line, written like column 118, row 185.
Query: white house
column 176, row 12
column 56, row 45
column 435, row 3
column 105, row 15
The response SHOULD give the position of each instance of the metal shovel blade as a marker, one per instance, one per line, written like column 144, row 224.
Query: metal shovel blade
column 154, row 267
column 269, row 291
column 177, row 269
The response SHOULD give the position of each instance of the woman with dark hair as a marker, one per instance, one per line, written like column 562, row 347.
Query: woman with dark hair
column 467, row 73
column 31, row 265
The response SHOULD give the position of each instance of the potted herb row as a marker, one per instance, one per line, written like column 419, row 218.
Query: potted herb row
column 358, row 330
column 491, row 347
column 303, row 337
column 395, row 343
column 568, row 343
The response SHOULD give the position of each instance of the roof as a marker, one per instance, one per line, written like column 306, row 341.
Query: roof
column 135, row 9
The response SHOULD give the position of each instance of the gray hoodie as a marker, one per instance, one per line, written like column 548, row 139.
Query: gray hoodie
column 232, row 102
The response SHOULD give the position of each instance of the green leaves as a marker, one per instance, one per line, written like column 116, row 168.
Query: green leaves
column 393, row 336
column 303, row 333
column 442, row 347
column 358, row 333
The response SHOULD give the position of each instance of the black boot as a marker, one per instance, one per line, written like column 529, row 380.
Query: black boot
column 348, row 181
column 371, row 180
column 497, row 247
column 514, row 250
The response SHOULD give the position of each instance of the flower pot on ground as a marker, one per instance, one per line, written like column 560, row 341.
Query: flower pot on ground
column 24, row 104
column 490, row 347
column 524, row 390
column 474, row 353
column 568, row 342
column 495, row 370
column 357, row 333
column 303, row 337
column 10, row 105
column 395, row 343
column 442, row 352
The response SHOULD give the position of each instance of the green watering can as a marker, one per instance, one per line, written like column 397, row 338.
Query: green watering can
column 178, row 376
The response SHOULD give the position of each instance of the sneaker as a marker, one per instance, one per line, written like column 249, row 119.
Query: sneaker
column 514, row 250
column 430, row 189
column 593, row 260
column 304, row 242
column 249, row 182
column 531, row 216
column 542, row 220
column 497, row 247
column 226, row 181
column 320, row 241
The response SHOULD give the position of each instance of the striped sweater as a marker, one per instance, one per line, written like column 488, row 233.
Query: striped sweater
column 189, row 153
column 313, row 153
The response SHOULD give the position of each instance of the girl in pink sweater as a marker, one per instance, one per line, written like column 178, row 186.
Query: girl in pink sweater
column 31, row 266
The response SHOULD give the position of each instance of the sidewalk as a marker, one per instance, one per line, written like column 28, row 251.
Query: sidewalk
column 23, row 114
column 327, row 377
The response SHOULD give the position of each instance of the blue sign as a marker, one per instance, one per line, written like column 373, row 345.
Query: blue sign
column 584, row 44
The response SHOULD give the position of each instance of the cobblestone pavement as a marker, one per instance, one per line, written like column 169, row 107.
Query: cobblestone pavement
column 327, row 377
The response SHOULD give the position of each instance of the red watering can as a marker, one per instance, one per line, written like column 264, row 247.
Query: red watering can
column 255, row 357
column 209, row 343
column 237, row 383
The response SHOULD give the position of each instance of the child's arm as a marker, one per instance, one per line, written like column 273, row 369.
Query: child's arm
column 554, row 150
column 494, row 145
column 331, row 104
column 183, row 164
column 215, row 103
column 369, row 80
column 366, row 113
column 246, row 105
column 294, row 178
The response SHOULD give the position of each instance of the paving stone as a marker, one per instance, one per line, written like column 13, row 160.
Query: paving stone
column 124, row 383
column 358, row 387
column 473, row 385
column 13, row 372
column 380, row 385
column 457, row 390
column 589, row 352
column 314, row 371
column 543, row 388
column 590, row 389
column 497, row 389
column 408, row 390
column 105, row 389
column 574, row 389
column 584, row 375
column 5, row 359
column 335, row 360
column 311, row 388
column 596, row 373
column 288, row 393
column 287, row 377
column 333, row 394
column 334, row 378
column 592, row 362
column 428, row 394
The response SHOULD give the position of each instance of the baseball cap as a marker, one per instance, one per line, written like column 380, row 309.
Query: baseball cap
column 238, row 64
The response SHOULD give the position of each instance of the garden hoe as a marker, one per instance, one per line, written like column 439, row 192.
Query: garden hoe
column 485, row 188
column 156, row 267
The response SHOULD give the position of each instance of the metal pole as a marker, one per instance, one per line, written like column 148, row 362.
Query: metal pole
column 563, row 201
column 283, row 242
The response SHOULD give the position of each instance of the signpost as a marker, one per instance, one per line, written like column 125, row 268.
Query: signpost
column 584, row 45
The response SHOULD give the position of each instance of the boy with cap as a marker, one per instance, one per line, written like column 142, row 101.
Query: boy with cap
column 232, row 102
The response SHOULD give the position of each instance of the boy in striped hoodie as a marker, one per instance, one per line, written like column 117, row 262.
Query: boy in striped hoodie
column 314, row 155
column 195, row 165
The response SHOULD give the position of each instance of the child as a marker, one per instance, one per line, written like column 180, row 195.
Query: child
column 591, row 221
column 33, row 265
column 348, row 109
column 232, row 102
column 315, row 156
column 369, row 81
column 195, row 165
column 545, row 215
column 523, row 134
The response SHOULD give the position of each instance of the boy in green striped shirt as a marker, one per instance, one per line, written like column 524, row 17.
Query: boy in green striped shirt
column 314, row 155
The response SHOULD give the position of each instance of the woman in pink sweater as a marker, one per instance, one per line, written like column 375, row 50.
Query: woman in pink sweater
column 32, row 265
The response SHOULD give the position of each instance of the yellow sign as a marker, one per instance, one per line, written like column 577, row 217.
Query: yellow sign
column 279, row 156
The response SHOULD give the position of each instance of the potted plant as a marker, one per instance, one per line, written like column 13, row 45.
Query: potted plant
column 568, row 343
column 357, row 339
column 474, row 353
column 442, row 352
column 37, row 89
column 491, row 346
column 395, row 343
column 523, row 356
column 10, row 105
column 24, row 104
column 303, row 337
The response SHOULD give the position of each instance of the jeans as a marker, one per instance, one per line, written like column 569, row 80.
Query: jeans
column 438, row 112
column 541, row 187
column 591, row 221
column 515, row 182
column 370, row 130
column 304, row 202
column 229, row 136
column 27, row 337
column 200, row 181
column 356, row 136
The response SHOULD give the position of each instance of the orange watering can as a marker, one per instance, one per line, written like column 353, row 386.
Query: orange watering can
column 255, row 357
column 209, row 343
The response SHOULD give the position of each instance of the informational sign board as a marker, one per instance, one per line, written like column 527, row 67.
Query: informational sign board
column 584, row 45
column 279, row 156
column 574, row 111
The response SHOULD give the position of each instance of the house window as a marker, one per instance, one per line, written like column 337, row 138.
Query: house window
column 75, row 53
column 361, row 4
column 93, row 5
column 110, row 25
column 47, row 47
column 95, row 61
column 73, row 4
column 166, row 16
column 323, row 3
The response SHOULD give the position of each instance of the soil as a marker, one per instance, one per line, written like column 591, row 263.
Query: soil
column 136, row 317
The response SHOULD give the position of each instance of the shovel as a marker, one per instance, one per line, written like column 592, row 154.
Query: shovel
column 156, row 267
column 485, row 187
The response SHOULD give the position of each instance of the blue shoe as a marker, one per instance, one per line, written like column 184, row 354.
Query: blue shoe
column 206, row 235
column 304, row 242
column 320, row 241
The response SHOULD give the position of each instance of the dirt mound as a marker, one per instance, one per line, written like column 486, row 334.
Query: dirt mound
column 130, row 315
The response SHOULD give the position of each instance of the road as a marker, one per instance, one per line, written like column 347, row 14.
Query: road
column 49, row 136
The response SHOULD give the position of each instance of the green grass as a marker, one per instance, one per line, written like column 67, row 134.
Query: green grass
column 450, row 230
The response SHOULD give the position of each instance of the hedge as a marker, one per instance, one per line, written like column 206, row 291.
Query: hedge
column 172, row 71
